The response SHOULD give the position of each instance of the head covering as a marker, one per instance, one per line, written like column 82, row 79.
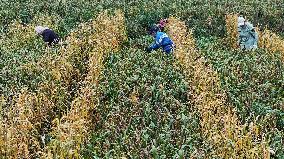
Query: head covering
column 153, row 29
column 241, row 21
column 40, row 29
column 162, row 22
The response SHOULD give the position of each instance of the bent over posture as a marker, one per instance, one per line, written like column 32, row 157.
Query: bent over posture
column 48, row 35
column 161, row 40
column 248, row 37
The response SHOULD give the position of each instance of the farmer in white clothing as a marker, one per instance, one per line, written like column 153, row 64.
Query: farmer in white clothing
column 248, row 37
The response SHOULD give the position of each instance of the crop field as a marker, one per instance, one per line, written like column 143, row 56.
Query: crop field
column 99, row 94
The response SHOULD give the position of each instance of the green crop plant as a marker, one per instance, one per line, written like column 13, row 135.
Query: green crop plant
column 206, row 17
column 99, row 95
column 144, row 111
column 253, row 82
column 19, row 46
column 71, row 131
column 219, row 122
column 267, row 39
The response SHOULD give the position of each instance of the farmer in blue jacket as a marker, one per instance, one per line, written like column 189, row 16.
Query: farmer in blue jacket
column 161, row 40
column 48, row 35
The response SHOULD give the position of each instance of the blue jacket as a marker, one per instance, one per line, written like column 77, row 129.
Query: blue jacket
column 162, row 40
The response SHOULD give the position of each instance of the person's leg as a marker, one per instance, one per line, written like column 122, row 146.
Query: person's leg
column 168, row 49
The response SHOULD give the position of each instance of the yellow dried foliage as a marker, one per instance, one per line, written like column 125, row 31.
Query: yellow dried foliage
column 98, row 38
column 21, row 123
column 219, row 122
column 72, row 129
column 19, row 135
column 134, row 97
column 271, row 42
column 110, row 31
column 58, row 66
column 232, row 30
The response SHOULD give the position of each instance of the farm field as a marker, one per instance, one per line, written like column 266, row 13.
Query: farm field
column 98, row 94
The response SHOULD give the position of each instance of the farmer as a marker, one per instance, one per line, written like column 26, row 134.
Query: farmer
column 161, row 40
column 48, row 35
column 248, row 37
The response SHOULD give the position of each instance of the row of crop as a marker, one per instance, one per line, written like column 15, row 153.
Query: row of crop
column 28, row 115
column 267, row 39
column 219, row 122
column 72, row 130
column 28, row 119
column 253, row 83
column 207, row 16
column 22, row 111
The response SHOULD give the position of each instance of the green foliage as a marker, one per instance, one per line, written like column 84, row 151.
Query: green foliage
column 254, row 84
column 10, row 65
column 144, row 110
column 206, row 17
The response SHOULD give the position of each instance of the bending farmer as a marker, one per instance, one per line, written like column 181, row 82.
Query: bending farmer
column 48, row 35
column 248, row 37
column 161, row 40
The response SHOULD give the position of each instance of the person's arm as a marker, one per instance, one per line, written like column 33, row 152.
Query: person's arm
column 255, row 34
column 239, row 40
column 155, row 46
column 152, row 47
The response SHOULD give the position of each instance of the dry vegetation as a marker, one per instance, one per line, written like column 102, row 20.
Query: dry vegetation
column 219, row 122
column 99, row 94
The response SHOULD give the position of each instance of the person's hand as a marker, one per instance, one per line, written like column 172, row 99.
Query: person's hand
column 148, row 49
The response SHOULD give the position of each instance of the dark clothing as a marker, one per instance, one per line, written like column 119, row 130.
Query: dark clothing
column 50, row 37
column 162, row 29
